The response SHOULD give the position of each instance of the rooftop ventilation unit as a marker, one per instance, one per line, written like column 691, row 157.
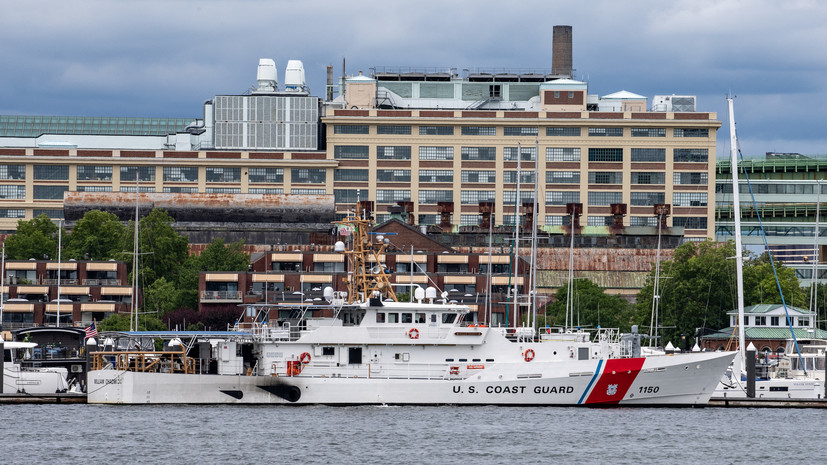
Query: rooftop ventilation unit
column 294, row 76
column 675, row 103
column 266, row 75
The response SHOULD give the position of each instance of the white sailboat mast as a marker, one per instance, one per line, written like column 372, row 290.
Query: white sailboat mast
column 736, row 201
column 517, row 240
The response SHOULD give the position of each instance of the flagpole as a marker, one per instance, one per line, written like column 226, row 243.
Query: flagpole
column 59, row 246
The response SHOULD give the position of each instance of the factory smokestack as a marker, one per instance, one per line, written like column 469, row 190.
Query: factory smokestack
column 561, row 51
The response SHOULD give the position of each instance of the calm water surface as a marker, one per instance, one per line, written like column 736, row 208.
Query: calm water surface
column 81, row 434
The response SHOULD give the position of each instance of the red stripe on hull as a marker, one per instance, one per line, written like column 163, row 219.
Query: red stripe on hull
column 615, row 381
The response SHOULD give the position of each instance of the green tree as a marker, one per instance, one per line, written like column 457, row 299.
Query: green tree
column 120, row 322
column 592, row 307
column 35, row 238
column 160, row 297
column 217, row 256
column 162, row 250
column 760, row 286
column 98, row 234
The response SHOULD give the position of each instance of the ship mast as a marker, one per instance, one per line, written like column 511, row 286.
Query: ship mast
column 364, row 280
column 739, row 256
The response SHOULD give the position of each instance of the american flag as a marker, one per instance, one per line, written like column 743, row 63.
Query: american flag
column 91, row 331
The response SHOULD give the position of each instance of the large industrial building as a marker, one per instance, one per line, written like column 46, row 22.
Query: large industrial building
column 440, row 141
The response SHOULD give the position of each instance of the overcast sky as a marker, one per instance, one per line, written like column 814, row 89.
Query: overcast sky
column 164, row 58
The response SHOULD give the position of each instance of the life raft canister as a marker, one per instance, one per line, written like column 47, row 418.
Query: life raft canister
column 413, row 333
column 528, row 355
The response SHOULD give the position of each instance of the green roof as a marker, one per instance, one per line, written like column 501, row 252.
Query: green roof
column 35, row 126
column 766, row 308
column 776, row 333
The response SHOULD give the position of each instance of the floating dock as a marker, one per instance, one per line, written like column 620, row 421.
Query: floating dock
column 767, row 403
column 60, row 398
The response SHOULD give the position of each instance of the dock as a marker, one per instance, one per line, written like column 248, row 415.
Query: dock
column 59, row 398
column 766, row 403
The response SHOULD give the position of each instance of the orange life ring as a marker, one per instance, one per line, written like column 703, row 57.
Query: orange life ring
column 528, row 355
column 305, row 358
column 413, row 333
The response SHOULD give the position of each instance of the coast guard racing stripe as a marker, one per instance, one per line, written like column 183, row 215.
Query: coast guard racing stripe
column 615, row 381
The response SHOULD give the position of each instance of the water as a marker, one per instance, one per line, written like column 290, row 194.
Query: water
column 227, row 434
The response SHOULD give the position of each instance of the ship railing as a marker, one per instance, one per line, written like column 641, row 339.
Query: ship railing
column 146, row 361
column 269, row 332
column 399, row 370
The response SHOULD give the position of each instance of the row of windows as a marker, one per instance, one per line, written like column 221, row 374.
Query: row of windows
column 559, row 131
column 758, row 188
column 144, row 173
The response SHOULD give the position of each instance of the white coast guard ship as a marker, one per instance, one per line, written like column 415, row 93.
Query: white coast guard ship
column 386, row 352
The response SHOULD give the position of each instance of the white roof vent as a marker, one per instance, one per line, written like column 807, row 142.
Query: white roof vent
column 294, row 76
column 267, row 76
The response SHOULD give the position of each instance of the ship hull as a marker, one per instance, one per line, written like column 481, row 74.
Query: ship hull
column 683, row 380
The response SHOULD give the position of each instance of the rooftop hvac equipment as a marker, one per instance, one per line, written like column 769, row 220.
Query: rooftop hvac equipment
column 266, row 75
column 676, row 103
column 294, row 76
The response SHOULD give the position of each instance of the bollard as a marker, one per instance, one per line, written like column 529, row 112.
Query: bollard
column 750, row 371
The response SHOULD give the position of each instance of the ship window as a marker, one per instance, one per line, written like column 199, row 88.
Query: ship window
column 475, row 360
column 354, row 356
column 380, row 317
column 407, row 318
column 449, row 360
column 582, row 353
column 420, row 318
column 463, row 360
column 448, row 318
column 489, row 360
column 393, row 318
column 328, row 351
column 778, row 388
column 433, row 317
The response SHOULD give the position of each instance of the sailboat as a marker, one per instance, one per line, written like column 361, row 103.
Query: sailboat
column 734, row 382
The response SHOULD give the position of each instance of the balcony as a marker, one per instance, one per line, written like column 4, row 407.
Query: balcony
column 101, row 282
column 221, row 296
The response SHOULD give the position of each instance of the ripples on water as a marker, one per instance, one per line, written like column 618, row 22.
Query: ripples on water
column 440, row 435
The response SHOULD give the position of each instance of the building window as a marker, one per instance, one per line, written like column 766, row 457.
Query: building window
column 478, row 153
column 526, row 177
column 689, row 199
column 142, row 173
column 351, row 152
column 690, row 222
column 255, row 190
column 643, row 221
column 557, row 220
column 479, row 131
column 562, row 177
column 12, row 213
column 308, row 191
column 690, row 155
column 510, row 197
column 605, row 198
column 393, row 175
column 15, row 172
column 128, row 188
column 563, row 131
column 51, row 213
column 307, row 175
column 481, row 176
column 610, row 177
column 600, row 220
column 266, row 175
column 760, row 321
column 775, row 321
column 690, row 132
column 180, row 174
column 690, row 178
column 436, row 176
column 562, row 154
column 351, row 129
column 562, row 197
column 393, row 129
column 223, row 174
column 605, row 132
column 519, row 131
column 526, row 153
column 349, row 196
column 13, row 192
column 400, row 152
column 646, row 198
column 436, row 130
column 48, row 192
column 433, row 196
column 650, row 155
column 193, row 190
column 469, row 220
column 94, row 189
column 475, row 197
column 648, row 132
column 51, row 172
column 649, row 178
column 436, row 153
column 353, row 175
column 393, row 195
column 425, row 219
column 605, row 154
column 223, row 190
column 94, row 173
